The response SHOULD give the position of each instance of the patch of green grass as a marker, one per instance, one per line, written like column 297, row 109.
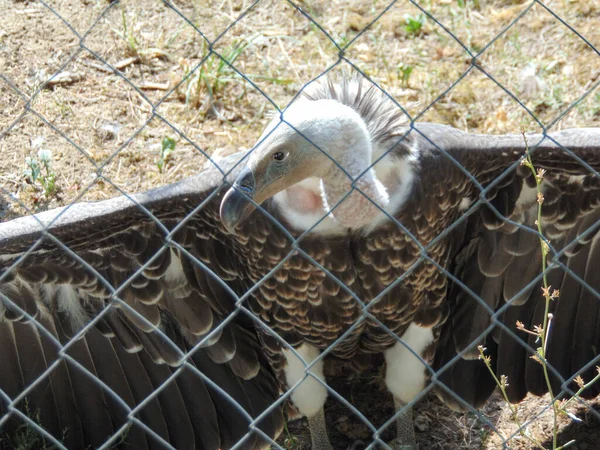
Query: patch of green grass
column 343, row 40
column 25, row 436
column 403, row 72
column 214, row 74
column 484, row 435
column 167, row 147
column 594, row 110
column 414, row 25
column 468, row 3
column 62, row 106
column 209, row 81
column 128, row 36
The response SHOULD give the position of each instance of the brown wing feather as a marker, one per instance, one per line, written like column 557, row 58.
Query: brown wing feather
column 125, row 250
column 121, row 243
column 495, row 257
column 141, row 388
column 112, row 369
column 179, row 423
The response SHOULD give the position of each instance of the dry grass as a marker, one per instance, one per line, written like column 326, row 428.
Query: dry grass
column 105, row 129
column 114, row 131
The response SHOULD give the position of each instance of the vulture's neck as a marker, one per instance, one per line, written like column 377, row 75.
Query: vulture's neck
column 354, row 208
column 329, row 198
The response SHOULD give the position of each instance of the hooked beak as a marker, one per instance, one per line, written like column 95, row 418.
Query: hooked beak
column 236, row 205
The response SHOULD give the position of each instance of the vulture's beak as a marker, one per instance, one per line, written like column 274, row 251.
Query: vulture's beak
column 236, row 205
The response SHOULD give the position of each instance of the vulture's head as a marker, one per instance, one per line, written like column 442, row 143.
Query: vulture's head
column 321, row 139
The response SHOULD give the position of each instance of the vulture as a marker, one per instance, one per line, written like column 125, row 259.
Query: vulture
column 201, row 314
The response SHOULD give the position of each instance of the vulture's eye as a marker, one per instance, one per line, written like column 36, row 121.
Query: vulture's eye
column 279, row 156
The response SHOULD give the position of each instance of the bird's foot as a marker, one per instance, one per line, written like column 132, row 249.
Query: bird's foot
column 318, row 432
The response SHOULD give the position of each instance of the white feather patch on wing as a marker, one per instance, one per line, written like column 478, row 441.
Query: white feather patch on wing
column 465, row 203
column 68, row 301
column 527, row 198
column 175, row 271
column 577, row 179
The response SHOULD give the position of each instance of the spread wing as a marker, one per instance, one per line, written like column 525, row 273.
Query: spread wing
column 119, row 319
column 497, row 264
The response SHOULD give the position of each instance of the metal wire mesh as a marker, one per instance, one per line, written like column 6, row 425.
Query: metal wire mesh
column 341, row 48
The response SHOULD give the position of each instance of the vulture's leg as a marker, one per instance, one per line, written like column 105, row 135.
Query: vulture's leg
column 310, row 395
column 318, row 432
column 405, row 378
column 405, row 428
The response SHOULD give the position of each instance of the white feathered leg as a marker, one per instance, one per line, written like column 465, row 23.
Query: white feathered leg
column 405, row 378
column 310, row 395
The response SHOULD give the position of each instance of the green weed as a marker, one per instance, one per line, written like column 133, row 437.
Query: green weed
column 208, row 83
column 167, row 147
column 403, row 71
column 40, row 171
column 414, row 25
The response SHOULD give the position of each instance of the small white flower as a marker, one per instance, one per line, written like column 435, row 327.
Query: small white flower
column 44, row 155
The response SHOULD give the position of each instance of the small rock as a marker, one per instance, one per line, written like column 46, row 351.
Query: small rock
column 365, row 52
column 356, row 22
column 568, row 70
column 38, row 142
column 422, row 422
column 530, row 83
column 36, row 77
column 66, row 77
column 108, row 130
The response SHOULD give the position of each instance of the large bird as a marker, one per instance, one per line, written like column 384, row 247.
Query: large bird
column 344, row 233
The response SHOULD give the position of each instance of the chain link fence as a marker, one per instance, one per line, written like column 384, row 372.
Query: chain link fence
column 203, row 84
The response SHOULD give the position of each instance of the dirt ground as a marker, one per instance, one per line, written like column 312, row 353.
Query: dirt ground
column 439, row 428
column 132, row 95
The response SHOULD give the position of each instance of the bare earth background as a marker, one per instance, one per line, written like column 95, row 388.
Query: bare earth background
column 105, row 130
